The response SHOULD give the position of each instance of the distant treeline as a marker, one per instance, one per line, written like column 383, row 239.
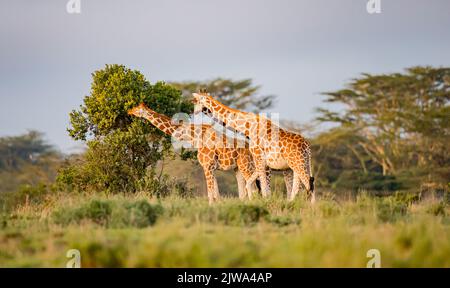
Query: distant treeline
column 389, row 132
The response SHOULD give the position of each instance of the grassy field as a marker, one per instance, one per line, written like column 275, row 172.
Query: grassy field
column 140, row 231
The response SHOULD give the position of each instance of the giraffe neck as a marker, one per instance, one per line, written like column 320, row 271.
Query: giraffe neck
column 161, row 122
column 181, row 132
column 240, row 121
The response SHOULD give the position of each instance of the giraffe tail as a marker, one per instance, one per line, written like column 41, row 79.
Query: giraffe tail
column 311, row 178
column 311, row 184
column 258, row 184
column 309, row 170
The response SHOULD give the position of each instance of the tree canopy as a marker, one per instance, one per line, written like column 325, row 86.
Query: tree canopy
column 18, row 150
column 398, row 121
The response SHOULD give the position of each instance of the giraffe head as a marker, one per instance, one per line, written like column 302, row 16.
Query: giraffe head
column 199, row 101
column 138, row 111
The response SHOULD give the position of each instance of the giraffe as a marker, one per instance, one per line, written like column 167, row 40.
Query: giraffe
column 270, row 145
column 212, row 154
column 287, row 173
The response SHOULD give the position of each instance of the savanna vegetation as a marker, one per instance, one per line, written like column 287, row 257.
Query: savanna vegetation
column 380, row 157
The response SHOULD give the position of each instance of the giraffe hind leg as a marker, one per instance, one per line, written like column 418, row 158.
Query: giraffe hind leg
column 308, row 182
column 295, row 186
column 311, row 189
column 258, row 184
column 288, row 178
column 250, row 184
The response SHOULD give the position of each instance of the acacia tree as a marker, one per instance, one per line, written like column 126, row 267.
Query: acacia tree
column 26, row 148
column 122, row 150
column 400, row 120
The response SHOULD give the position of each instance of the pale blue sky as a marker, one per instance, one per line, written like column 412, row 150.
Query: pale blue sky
column 294, row 49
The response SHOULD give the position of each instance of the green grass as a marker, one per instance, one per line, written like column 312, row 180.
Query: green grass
column 138, row 231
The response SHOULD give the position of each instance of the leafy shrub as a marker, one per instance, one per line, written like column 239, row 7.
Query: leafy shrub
column 283, row 220
column 118, row 214
column 246, row 214
column 142, row 214
column 25, row 195
column 97, row 254
column 373, row 181
column 389, row 209
column 328, row 209
column 98, row 211
column 163, row 187
column 437, row 209
column 407, row 198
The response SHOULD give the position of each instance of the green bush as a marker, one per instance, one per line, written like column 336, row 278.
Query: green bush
column 25, row 195
column 328, row 209
column 114, row 214
column 142, row 214
column 163, row 186
column 389, row 209
column 437, row 209
column 98, row 211
column 283, row 220
column 407, row 198
column 245, row 214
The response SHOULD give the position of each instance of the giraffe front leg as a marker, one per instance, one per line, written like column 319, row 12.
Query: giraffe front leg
column 250, row 187
column 288, row 179
column 241, row 185
column 264, row 178
column 212, row 187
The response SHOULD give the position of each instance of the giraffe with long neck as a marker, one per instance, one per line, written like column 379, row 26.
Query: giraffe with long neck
column 270, row 145
column 213, row 151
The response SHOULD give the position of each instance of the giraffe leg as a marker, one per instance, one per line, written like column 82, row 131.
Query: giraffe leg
column 308, row 182
column 288, row 179
column 246, row 168
column 268, row 176
column 250, row 183
column 301, row 169
column 295, row 186
column 241, row 185
column 264, row 178
column 211, row 182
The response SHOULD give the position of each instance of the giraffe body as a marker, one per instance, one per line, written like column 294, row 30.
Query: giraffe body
column 215, row 152
column 270, row 145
